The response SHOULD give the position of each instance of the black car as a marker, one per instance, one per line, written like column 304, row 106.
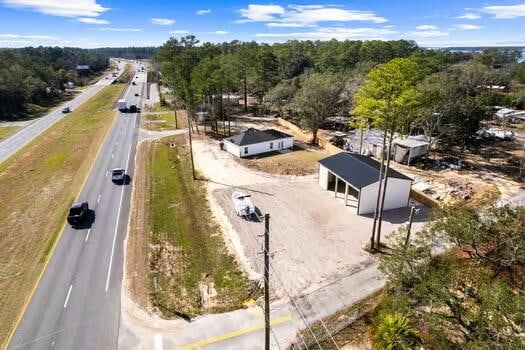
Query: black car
column 136, row 94
column 77, row 213
column 118, row 175
column 66, row 110
column 133, row 109
column 134, row 83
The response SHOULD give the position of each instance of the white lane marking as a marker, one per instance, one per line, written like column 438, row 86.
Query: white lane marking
column 107, row 172
column 158, row 341
column 87, row 236
column 98, row 199
column 116, row 224
column 68, row 294
column 112, row 155
column 116, row 144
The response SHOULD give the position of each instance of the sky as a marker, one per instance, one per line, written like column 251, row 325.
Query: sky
column 117, row 23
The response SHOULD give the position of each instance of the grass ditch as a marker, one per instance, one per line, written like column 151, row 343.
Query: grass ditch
column 6, row 131
column 47, row 173
column 189, row 269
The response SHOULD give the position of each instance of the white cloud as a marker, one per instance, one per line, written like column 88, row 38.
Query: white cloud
column 18, row 40
column 113, row 29
column 287, row 25
column 261, row 13
column 90, row 20
column 469, row 15
column 304, row 15
column 427, row 33
column 332, row 33
column 162, row 21
column 505, row 12
column 219, row 32
column 71, row 8
column 467, row 26
column 203, row 12
column 426, row 27
column 180, row 31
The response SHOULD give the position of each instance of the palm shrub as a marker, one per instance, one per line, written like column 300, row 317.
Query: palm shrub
column 394, row 332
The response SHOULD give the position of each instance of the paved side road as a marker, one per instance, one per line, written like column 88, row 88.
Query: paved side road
column 10, row 145
column 77, row 302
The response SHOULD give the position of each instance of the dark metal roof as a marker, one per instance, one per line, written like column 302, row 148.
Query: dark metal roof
column 252, row 136
column 358, row 170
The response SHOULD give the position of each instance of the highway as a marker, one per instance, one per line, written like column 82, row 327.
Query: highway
column 77, row 302
column 10, row 145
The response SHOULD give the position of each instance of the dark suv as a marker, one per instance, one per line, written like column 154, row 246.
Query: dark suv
column 118, row 175
column 77, row 213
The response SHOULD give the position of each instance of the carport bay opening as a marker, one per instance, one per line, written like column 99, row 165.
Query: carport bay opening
column 358, row 176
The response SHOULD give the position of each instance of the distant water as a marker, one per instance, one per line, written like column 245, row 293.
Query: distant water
column 522, row 57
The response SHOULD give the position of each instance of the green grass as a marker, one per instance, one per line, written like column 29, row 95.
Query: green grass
column 298, row 162
column 37, row 185
column 7, row 131
column 161, row 121
column 187, row 248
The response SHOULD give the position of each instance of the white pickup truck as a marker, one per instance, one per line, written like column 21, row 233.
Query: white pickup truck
column 243, row 204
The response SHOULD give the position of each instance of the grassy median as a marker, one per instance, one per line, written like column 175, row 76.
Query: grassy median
column 37, row 185
column 6, row 131
column 177, row 259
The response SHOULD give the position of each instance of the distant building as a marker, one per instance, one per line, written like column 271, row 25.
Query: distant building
column 510, row 115
column 69, row 85
column 405, row 150
column 253, row 141
column 83, row 69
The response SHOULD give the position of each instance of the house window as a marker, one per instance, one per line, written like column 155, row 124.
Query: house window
column 245, row 150
column 271, row 145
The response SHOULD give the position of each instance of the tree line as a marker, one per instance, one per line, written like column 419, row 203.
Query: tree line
column 453, row 89
column 36, row 75
column 132, row 53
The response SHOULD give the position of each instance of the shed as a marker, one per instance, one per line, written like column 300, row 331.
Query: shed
column 404, row 150
column 358, row 175
column 254, row 141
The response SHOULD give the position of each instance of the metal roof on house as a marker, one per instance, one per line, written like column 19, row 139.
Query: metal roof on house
column 412, row 141
column 252, row 136
column 357, row 170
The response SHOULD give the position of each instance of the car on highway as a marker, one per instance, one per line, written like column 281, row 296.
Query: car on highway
column 136, row 94
column 118, row 175
column 66, row 110
column 77, row 213
column 134, row 83
column 133, row 109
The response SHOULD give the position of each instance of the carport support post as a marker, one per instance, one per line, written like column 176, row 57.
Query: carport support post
column 346, row 194
column 267, row 281
column 336, row 186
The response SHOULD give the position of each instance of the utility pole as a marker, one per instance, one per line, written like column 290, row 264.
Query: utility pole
column 413, row 211
column 191, row 146
column 267, row 281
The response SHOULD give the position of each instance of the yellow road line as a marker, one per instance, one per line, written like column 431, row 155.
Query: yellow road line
column 52, row 252
column 233, row 334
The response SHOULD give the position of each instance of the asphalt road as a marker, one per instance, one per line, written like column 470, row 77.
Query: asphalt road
column 10, row 145
column 77, row 302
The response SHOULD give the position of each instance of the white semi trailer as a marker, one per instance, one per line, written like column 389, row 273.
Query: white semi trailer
column 122, row 105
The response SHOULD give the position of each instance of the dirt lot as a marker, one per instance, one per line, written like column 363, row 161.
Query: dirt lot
column 47, row 173
column 301, row 160
column 315, row 239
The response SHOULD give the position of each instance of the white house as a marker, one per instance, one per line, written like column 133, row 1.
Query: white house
column 358, row 175
column 253, row 141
